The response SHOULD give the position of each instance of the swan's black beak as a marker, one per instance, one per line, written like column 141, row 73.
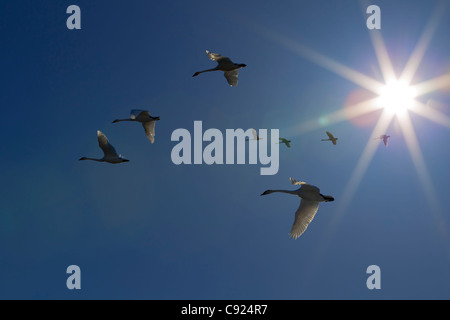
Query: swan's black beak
column 156, row 118
column 327, row 198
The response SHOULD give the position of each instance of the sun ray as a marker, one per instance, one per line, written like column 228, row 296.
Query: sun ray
column 441, row 82
column 363, row 163
column 337, row 116
column 350, row 189
column 318, row 58
column 423, row 43
column 382, row 55
column 422, row 171
column 431, row 114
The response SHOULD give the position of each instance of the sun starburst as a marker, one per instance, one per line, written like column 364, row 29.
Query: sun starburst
column 396, row 97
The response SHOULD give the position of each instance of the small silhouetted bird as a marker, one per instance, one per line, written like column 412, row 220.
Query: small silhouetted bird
column 384, row 138
column 331, row 138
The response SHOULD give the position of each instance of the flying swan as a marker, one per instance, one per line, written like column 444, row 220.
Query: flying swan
column 310, row 198
column 285, row 141
column 330, row 138
column 384, row 138
column 109, row 153
column 224, row 64
column 144, row 117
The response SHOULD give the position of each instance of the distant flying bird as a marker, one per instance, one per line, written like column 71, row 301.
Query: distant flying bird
column 286, row 142
column 144, row 117
column 384, row 138
column 310, row 198
column 255, row 136
column 109, row 153
column 230, row 68
column 331, row 138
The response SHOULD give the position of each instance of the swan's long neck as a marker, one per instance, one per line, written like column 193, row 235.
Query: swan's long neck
column 93, row 159
column 208, row 70
column 283, row 191
column 117, row 120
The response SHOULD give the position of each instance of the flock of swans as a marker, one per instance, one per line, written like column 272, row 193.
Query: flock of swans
column 310, row 195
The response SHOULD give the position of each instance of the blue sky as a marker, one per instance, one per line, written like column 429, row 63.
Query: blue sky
column 149, row 229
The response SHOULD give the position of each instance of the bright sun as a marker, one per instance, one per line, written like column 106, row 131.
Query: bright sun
column 397, row 96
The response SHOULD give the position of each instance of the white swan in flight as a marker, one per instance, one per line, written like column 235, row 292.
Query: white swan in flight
column 144, row 117
column 384, row 138
column 109, row 153
column 224, row 64
column 330, row 138
column 310, row 198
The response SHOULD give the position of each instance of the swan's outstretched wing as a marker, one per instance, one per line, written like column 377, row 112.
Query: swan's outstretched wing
column 149, row 128
column 104, row 144
column 303, row 217
column 232, row 77
column 140, row 115
column 217, row 57
column 330, row 135
column 305, row 186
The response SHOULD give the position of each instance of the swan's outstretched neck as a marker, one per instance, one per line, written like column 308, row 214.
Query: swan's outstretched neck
column 272, row 191
column 117, row 120
column 86, row 158
column 198, row 72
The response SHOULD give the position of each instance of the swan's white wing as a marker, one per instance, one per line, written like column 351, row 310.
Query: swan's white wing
column 232, row 77
column 140, row 115
column 104, row 144
column 303, row 217
column 224, row 63
column 149, row 128
column 217, row 57
column 305, row 186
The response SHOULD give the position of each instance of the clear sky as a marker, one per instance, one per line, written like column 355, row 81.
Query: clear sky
column 149, row 229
